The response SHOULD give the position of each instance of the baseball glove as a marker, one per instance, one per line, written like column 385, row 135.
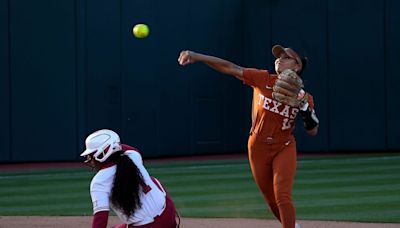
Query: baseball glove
column 288, row 89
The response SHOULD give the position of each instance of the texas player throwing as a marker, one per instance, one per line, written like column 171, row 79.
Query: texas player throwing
column 123, row 183
column 271, row 144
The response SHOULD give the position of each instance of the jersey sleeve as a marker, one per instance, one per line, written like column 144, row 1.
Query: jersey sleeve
column 100, row 201
column 254, row 77
column 100, row 189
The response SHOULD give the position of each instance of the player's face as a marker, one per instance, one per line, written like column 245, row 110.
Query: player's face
column 91, row 162
column 286, row 62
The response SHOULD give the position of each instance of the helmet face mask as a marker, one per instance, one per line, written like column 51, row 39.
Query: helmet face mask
column 102, row 144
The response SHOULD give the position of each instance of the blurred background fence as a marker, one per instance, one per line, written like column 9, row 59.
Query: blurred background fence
column 68, row 67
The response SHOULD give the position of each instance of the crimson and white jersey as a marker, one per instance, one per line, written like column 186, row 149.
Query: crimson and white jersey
column 152, row 196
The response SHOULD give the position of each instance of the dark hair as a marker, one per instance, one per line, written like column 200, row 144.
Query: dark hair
column 127, row 184
column 304, row 62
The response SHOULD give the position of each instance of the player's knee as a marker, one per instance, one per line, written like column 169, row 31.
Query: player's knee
column 283, row 198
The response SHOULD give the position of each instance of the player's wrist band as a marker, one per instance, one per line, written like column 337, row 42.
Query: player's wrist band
column 309, row 118
column 304, row 107
column 301, row 94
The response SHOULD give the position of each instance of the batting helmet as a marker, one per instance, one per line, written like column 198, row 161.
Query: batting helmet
column 102, row 144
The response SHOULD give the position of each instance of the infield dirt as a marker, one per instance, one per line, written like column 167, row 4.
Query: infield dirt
column 85, row 221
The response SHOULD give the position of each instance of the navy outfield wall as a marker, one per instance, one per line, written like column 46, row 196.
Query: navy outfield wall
column 353, row 71
column 71, row 67
column 392, row 73
column 38, row 72
column 5, row 154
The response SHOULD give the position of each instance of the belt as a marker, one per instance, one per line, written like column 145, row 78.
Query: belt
column 274, row 139
column 270, row 140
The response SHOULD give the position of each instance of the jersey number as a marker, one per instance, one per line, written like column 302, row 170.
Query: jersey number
column 146, row 188
column 287, row 123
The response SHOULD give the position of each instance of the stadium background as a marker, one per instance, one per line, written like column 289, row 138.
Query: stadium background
column 70, row 67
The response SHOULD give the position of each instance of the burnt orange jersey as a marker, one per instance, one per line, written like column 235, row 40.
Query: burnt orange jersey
column 270, row 118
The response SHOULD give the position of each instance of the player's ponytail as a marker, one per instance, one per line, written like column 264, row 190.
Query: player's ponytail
column 127, row 184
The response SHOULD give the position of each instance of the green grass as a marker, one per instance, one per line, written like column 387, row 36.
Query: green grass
column 351, row 188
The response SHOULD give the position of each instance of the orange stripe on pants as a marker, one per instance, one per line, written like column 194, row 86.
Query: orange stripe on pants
column 274, row 168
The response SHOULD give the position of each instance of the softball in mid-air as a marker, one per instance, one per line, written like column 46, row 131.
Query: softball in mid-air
column 140, row 31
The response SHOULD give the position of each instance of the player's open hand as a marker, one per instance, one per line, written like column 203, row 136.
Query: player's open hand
column 186, row 57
